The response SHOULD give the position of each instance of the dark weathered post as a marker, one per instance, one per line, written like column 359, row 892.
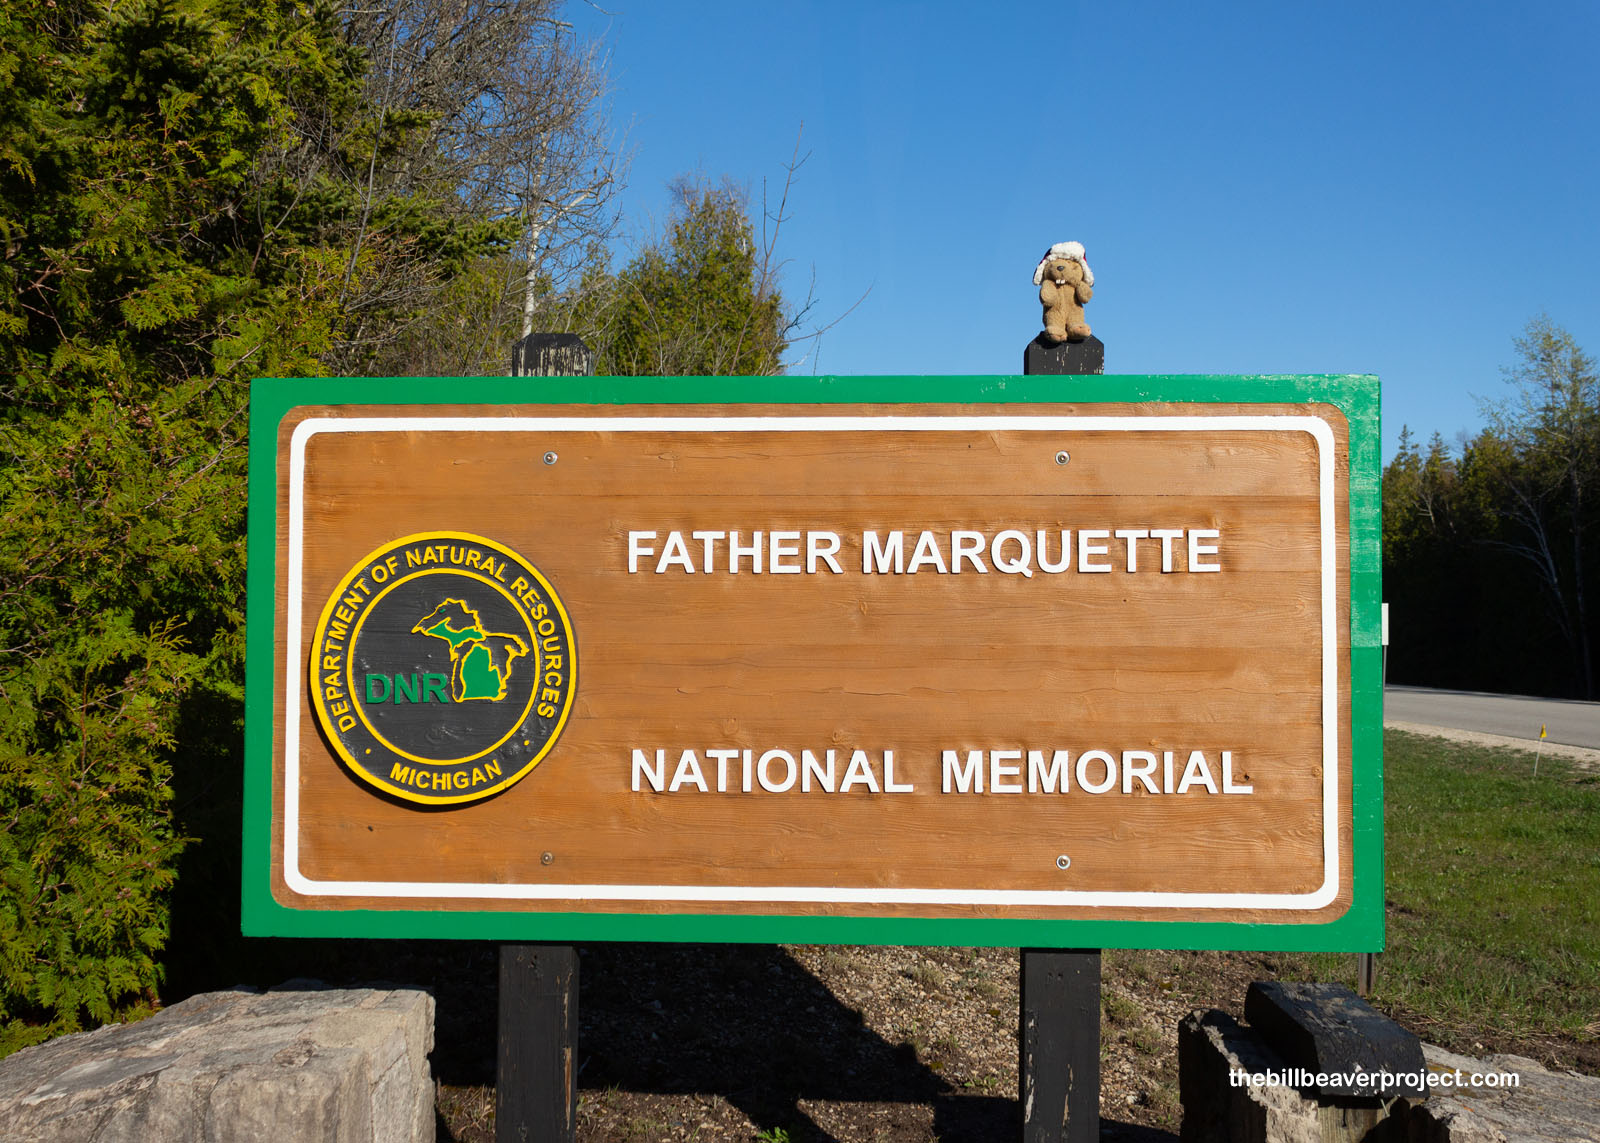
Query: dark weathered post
column 1058, row 1070
column 536, row 1088
column 551, row 355
column 1067, row 358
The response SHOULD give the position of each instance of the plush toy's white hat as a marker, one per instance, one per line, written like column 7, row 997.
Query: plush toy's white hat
column 1072, row 252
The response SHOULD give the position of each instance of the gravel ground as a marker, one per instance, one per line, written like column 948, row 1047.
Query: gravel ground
column 846, row 1043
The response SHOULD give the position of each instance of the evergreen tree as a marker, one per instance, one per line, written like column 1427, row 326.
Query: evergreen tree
column 1489, row 557
column 703, row 303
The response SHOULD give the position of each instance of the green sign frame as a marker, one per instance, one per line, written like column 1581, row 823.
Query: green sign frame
column 1359, row 929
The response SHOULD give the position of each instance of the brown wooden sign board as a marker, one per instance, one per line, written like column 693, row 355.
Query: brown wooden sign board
column 1061, row 661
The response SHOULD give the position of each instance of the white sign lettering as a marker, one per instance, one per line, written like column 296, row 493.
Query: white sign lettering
column 1010, row 551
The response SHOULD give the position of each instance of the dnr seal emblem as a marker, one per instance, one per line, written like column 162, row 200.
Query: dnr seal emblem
column 443, row 668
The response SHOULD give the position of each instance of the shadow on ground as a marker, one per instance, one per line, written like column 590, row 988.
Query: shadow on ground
column 748, row 1023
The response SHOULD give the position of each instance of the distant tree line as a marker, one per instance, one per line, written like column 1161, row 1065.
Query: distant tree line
column 194, row 193
column 1490, row 558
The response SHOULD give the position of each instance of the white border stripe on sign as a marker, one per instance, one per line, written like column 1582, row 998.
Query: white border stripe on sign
column 1316, row 427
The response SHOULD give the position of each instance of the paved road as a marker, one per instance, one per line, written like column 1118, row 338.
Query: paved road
column 1514, row 716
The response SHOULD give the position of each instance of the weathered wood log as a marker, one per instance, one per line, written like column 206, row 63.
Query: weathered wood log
column 1327, row 1029
column 1214, row 1054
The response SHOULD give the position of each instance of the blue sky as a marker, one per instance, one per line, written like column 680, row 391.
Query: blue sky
column 1262, row 188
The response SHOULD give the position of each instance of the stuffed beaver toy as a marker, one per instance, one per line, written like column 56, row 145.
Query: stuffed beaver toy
column 1065, row 283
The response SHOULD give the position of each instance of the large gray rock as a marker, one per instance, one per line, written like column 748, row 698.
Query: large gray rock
column 1544, row 1106
column 300, row 1064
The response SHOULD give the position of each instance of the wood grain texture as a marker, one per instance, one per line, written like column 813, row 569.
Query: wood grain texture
column 913, row 664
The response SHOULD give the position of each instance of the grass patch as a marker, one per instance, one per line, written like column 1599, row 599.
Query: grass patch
column 1493, row 887
column 1120, row 1011
column 928, row 975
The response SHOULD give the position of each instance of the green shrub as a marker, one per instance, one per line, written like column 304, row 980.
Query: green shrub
column 97, row 552
column 129, row 300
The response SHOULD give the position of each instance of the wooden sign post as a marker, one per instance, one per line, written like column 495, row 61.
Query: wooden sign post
column 1058, row 994
column 536, row 1057
column 1063, row 663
